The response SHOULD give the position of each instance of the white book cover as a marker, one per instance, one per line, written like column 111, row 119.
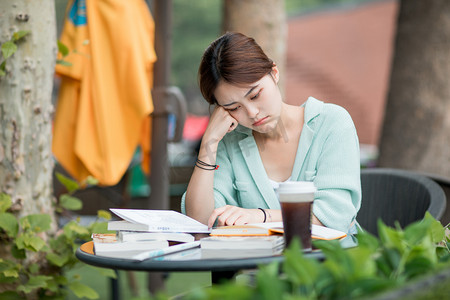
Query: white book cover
column 160, row 220
column 125, row 236
column 240, row 253
column 242, row 242
column 101, row 248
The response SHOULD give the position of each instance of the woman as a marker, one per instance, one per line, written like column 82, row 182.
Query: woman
column 254, row 141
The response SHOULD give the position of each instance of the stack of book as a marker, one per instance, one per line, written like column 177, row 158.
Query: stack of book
column 227, row 247
column 266, row 229
column 255, row 240
column 108, row 245
column 143, row 231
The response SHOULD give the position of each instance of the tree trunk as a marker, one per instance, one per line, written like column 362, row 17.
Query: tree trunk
column 416, row 133
column 263, row 20
column 26, row 108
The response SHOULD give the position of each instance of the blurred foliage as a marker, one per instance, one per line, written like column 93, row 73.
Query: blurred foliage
column 195, row 25
column 33, row 236
column 376, row 265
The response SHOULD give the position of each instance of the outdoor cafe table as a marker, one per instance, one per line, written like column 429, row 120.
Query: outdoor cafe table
column 191, row 260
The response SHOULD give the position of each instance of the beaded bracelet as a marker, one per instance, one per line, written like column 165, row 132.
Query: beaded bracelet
column 202, row 165
column 264, row 212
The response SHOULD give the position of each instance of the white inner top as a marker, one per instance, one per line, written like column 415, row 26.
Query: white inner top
column 276, row 184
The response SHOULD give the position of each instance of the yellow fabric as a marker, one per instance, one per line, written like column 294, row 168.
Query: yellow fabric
column 104, row 102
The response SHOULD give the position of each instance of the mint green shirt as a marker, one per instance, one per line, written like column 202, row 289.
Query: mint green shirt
column 327, row 154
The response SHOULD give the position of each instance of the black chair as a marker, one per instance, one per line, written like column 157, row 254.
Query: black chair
column 397, row 195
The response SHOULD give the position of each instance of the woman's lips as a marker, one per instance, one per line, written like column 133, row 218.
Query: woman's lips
column 260, row 122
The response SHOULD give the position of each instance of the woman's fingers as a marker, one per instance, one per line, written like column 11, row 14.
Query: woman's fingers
column 217, row 212
column 220, row 123
column 233, row 215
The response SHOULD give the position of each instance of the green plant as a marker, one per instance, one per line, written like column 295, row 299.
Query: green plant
column 9, row 48
column 31, row 238
column 374, row 266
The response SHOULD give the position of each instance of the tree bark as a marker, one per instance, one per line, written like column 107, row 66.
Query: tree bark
column 416, row 132
column 263, row 20
column 26, row 108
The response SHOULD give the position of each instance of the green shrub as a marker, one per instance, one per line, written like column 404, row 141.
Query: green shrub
column 376, row 265
column 31, row 236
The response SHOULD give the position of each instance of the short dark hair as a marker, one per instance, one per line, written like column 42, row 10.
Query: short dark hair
column 233, row 58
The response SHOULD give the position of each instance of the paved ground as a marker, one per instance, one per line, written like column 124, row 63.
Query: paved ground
column 343, row 56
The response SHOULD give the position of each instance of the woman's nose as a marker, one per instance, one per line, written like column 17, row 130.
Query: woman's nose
column 252, row 110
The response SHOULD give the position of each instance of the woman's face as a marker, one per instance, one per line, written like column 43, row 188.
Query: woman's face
column 256, row 106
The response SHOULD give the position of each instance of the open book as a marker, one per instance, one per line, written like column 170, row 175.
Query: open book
column 317, row 232
column 156, row 221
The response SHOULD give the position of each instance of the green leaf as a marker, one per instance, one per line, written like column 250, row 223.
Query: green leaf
column 34, row 243
column 63, row 49
column 34, row 268
column 418, row 266
column 268, row 282
column 5, row 202
column 30, row 241
column 437, row 231
column 81, row 290
column 8, row 49
column 19, row 34
column 63, row 62
column 61, row 280
column 368, row 240
column 69, row 184
column 4, row 279
column 298, row 269
column 18, row 253
column 90, row 180
column 70, row 202
column 36, row 222
column 72, row 230
column 10, row 295
column 8, row 223
column 101, row 227
column 11, row 273
column 57, row 260
column 415, row 232
column 390, row 237
column 35, row 282
column 103, row 214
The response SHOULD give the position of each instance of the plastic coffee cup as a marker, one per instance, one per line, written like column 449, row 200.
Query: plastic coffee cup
column 296, row 199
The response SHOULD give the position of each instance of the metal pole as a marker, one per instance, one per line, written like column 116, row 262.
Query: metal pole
column 159, row 177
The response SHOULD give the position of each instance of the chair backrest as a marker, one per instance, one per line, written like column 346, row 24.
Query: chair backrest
column 397, row 195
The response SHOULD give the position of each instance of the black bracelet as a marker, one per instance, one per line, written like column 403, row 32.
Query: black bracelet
column 264, row 212
column 202, row 165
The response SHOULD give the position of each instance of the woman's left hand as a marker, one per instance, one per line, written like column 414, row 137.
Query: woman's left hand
column 233, row 215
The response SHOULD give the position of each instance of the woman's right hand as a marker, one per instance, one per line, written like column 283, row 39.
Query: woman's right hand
column 220, row 123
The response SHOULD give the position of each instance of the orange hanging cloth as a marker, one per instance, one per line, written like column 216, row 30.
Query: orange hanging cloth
column 104, row 101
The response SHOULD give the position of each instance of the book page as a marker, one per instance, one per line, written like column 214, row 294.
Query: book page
column 317, row 231
column 164, row 220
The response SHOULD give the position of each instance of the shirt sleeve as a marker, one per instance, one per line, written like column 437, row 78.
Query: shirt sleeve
column 224, row 191
column 337, row 177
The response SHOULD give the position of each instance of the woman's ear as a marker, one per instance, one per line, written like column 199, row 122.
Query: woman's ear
column 275, row 73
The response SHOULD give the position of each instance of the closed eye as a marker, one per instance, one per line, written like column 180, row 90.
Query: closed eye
column 257, row 95
column 233, row 109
